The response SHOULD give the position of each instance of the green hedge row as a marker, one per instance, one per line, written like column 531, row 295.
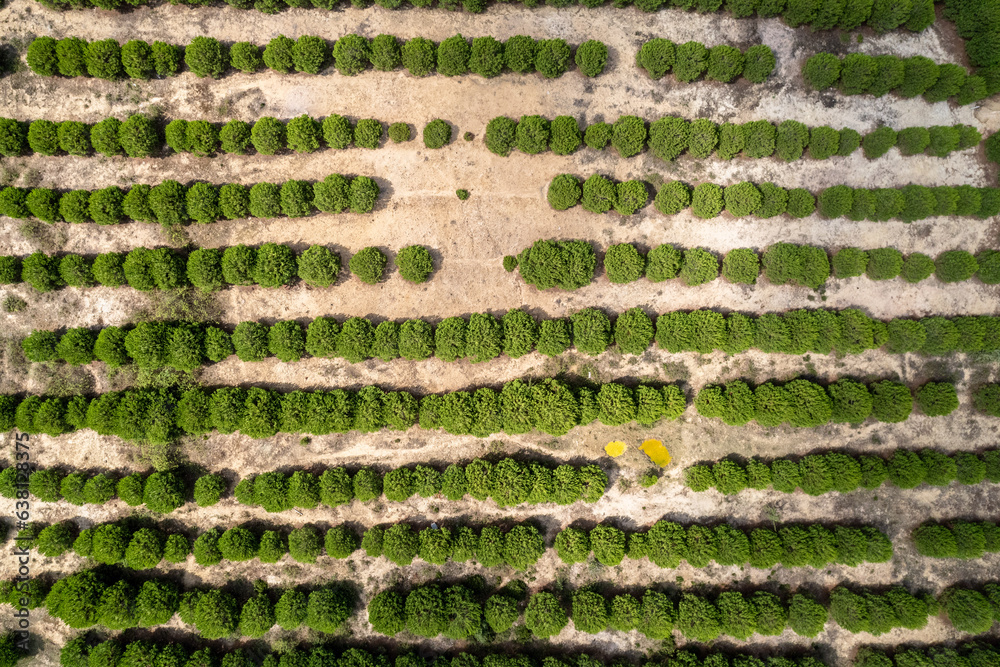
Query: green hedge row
column 979, row 653
column 108, row 598
column 351, row 55
column 692, row 60
column 138, row 136
column 671, row 136
column 161, row 415
column 804, row 404
column 909, row 203
column 570, row 265
column 209, row 269
column 667, row 543
column 957, row 539
column 137, row 546
column 484, row 337
column 508, row 482
column 817, row 474
column 159, row 492
column 170, row 203
column 460, row 612
column 861, row 74
column 76, row 651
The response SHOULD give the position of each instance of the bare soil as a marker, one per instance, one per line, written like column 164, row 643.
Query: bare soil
column 506, row 212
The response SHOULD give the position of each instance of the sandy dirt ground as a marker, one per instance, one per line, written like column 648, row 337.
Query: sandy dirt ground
column 506, row 212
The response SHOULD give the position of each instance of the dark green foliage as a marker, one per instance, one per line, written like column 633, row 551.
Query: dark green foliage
column 486, row 57
column 630, row 196
column 501, row 135
column 758, row 63
column 877, row 143
column 565, row 135
column 599, row 194
column 668, row 137
column 591, row 57
column 419, row 56
column 205, row 57
column 564, row 192
column 691, row 61
column 741, row 265
column 544, row 615
column 822, row 70
column 453, row 56
column 672, row 198
column 628, row 135
column 245, row 57
column 235, row 137
column 368, row 265
column 104, row 137
column 707, row 200
column 267, row 136
column 552, row 57
column 742, row 199
column 936, row 399
column 656, row 56
column 955, row 266
column 104, row 59
column 309, row 54
column 949, row 82
column 725, row 63
column 437, row 133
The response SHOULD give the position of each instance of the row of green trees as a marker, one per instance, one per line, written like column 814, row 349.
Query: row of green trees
column 75, row 653
column 803, row 404
column 569, row 265
column 957, row 539
column 483, row 337
column 692, row 60
column 159, row 492
column 980, row 653
column 666, row 544
column 821, row 473
column 161, row 415
column 109, row 599
column 548, row 405
column 142, row 546
column 909, row 203
column 171, row 203
column 460, row 612
column 669, row 137
column 208, row 269
column 861, row 74
column 508, row 482
column 138, row 136
column 351, row 55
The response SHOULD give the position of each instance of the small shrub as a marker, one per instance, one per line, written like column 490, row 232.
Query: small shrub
column 204, row 56
column 368, row 265
column 399, row 132
column 437, row 134
column 591, row 57
column 414, row 263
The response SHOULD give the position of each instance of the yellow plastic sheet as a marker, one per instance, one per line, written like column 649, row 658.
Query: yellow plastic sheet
column 615, row 448
column 657, row 453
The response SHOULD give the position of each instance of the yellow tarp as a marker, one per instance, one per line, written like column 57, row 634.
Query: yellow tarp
column 615, row 448
column 657, row 453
